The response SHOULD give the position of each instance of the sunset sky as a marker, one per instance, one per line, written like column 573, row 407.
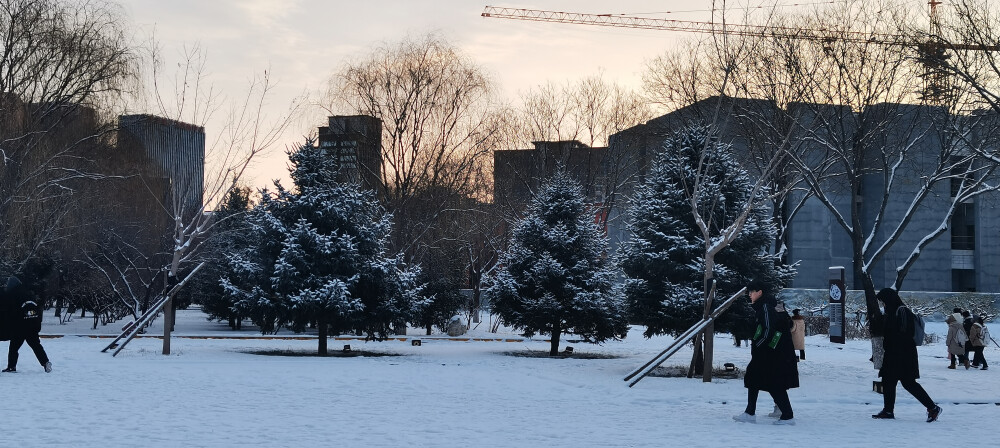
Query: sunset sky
column 302, row 42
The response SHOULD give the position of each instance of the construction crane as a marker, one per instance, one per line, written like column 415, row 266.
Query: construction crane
column 932, row 51
column 622, row 21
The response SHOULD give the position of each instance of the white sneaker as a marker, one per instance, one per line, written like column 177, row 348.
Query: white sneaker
column 790, row 422
column 776, row 413
column 745, row 418
column 48, row 367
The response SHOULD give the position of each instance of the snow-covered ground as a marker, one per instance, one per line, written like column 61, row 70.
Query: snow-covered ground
column 444, row 393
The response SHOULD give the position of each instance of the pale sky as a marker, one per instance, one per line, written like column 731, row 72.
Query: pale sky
column 302, row 42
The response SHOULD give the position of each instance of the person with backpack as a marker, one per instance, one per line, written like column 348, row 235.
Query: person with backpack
column 979, row 335
column 772, row 365
column 28, row 323
column 899, row 363
column 799, row 333
column 956, row 340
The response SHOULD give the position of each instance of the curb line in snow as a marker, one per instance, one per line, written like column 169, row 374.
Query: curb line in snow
column 294, row 338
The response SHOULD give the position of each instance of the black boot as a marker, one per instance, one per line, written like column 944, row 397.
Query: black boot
column 884, row 414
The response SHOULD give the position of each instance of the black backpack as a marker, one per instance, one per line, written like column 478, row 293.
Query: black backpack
column 911, row 324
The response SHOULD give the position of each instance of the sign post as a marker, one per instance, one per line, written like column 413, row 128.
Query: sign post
column 838, row 300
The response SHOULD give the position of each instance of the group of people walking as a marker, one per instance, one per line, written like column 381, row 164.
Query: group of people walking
column 21, row 322
column 773, row 361
column 967, row 334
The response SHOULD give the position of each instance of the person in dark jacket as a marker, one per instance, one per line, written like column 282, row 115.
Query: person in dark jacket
column 899, row 364
column 28, row 323
column 772, row 365
column 967, row 326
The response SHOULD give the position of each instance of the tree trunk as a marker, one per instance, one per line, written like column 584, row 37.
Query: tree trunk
column 321, row 323
column 706, row 371
column 429, row 330
column 696, row 358
column 167, row 320
column 554, row 348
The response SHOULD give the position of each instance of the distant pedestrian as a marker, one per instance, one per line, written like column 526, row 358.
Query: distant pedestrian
column 28, row 323
column 958, row 313
column 899, row 363
column 799, row 333
column 967, row 322
column 980, row 336
column 772, row 358
column 956, row 340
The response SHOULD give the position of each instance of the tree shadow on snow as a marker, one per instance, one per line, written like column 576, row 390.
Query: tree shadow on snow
column 330, row 354
column 561, row 355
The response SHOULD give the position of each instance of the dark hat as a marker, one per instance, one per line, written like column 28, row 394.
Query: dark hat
column 889, row 297
column 756, row 285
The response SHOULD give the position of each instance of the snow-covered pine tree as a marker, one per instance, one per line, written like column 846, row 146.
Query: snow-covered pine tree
column 664, row 261
column 318, row 256
column 228, row 234
column 556, row 277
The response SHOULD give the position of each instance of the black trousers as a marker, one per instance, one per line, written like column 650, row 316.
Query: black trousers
column 979, row 358
column 911, row 386
column 33, row 342
column 780, row 399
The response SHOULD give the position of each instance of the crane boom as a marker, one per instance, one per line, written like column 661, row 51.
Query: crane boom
column 622, row 21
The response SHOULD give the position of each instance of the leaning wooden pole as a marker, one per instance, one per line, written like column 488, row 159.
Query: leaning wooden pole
column 154, row 310
column 660, row 358
column 136, row 326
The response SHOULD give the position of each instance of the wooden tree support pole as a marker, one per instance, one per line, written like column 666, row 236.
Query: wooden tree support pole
column 681, row 340
column 151, row 313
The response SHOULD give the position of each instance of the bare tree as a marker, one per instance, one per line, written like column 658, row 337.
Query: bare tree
column 589, row 111
column 969, row 40
column 441, row 121
column 64, row 67
column 882, row 143
column 704, row 80
column 190, row 103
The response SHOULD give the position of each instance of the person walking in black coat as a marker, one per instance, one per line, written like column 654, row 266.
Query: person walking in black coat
column 773, row 362
column 27, row 324
column 899, row 364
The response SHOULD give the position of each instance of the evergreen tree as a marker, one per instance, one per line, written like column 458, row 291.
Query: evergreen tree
column 556, row 277
column 228, row 234
column 441, row 272
column 664, row 261
column 317, row 256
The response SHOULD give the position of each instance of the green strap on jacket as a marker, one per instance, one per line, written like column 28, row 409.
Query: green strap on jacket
column 774, row 340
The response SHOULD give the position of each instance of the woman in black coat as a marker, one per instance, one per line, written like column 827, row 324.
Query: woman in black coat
column 899, row 364
column 773, row 365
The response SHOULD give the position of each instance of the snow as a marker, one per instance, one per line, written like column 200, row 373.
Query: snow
column 449, row 392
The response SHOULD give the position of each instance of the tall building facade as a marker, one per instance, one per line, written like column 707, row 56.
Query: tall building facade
column 176, row 149
column 518, row 174
column 965, row 258
column 356, row 143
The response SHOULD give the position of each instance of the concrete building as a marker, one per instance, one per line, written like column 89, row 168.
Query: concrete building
column 175, row 148
column 965, row 258
column 518, row 173
column 356, row 142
